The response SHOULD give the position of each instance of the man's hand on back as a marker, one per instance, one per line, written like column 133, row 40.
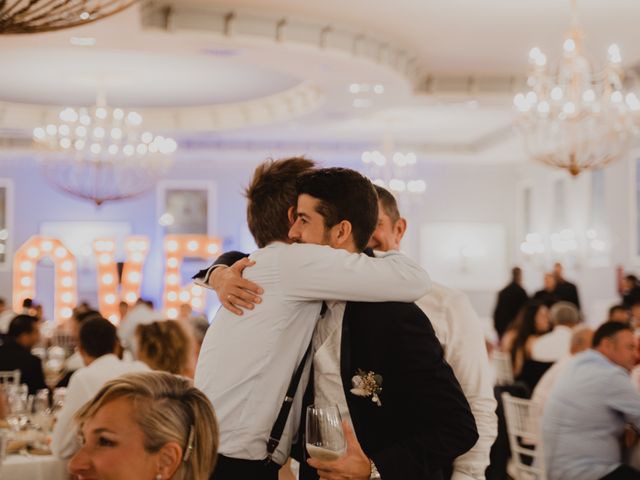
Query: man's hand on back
column 235, row 292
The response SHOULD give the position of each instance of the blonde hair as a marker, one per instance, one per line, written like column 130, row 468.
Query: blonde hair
column 167, row 408
column 165, row 345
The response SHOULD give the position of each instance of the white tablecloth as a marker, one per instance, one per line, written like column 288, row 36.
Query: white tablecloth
column 35, row 467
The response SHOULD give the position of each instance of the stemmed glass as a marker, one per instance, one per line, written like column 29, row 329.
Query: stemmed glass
column 17, row 403
column 325, row 438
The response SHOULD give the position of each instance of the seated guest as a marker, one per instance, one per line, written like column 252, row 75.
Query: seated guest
column 556, row 344
column 585, row 416
column 619, row 313
column 630, row 290
column 75, row 361
column 165, row 345
column 147, row 426
column 531, row 323
column 15, row 352
column 98, row 344
column 581, row 338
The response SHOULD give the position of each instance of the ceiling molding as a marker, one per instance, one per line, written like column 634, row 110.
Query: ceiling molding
column 231, row 21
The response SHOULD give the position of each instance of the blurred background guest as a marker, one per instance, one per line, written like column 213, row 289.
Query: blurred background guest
column 554, row 345
column 548, row 294
column 565, row 290
column 123, row 308
column 166, row 429
column 510, row 300
column 619, row 313
column 629, row 289
column 98, row 346
column 165, row 345
column 531, row 323
column 15, row 352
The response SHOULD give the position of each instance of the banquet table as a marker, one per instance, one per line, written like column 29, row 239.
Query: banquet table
column 33, row 467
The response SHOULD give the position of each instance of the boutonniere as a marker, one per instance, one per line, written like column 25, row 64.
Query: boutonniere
column 367, row 384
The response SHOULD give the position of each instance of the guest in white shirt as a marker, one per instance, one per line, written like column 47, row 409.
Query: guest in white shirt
column 98, row 344
column 459, row 330
column 246, row 363
column 556, row 344
column 581, row 338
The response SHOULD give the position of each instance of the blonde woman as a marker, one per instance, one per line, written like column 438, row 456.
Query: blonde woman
column 147, row 426
column 165, row 345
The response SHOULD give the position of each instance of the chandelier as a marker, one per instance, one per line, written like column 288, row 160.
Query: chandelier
column 576, row 118
column 102, row 154
column 35, row 16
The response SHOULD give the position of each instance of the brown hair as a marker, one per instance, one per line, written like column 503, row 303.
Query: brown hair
column 165, row 345
column 389, row 204
column 167, row 408
column 270, row 194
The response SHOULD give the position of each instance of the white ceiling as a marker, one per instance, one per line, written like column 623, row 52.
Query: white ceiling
column 142, row 67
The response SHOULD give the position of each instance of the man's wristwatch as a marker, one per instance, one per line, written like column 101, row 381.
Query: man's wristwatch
column 375, row 475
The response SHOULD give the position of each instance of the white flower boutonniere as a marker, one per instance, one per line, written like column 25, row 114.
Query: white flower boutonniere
column 367, row 384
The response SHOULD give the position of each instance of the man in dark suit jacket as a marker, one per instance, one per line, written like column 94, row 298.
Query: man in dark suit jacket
column 15, row 353
column 565, row 290
column 510, row 300
column 423, row 420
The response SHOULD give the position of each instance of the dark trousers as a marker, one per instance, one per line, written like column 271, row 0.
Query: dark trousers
column 623, row 472
column 228, row 468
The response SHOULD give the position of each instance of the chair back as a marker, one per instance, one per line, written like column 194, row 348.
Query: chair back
column 524, row 438
column 10, row 377
column 503, row 368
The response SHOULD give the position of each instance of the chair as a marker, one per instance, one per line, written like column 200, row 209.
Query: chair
column 10, row 377
column 503, row 368
column 526, row 447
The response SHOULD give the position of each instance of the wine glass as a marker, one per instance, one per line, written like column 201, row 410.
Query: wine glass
column 325, row 438
column 41, row 417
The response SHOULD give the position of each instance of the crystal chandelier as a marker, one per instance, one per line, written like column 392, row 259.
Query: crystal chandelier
column 34, row 16
column 577, row 118
column 102, row 154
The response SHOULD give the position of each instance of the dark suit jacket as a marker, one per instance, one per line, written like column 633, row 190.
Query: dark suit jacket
column 14, row 356
column 510, row 300
column 568, row 292
column 424, row 421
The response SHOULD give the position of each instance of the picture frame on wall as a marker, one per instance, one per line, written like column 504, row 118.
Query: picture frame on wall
column 6, row 223
column 186, row 207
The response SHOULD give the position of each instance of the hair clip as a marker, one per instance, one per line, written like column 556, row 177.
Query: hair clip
column 189, row 449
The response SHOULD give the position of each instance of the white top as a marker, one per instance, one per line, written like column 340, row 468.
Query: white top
column 543, row 388
column 140, row 314
column 459, row 330
column 83, row 385
column 246, row 362
column 552, row 346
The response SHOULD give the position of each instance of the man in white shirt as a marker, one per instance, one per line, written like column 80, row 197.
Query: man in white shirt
column 98, row 343
column 459, row 330
column 556, row 344
column 246, row 363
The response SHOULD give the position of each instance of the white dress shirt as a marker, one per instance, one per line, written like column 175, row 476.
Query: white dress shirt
column 544, row 387
column 552, row 346
column 246, row 362
column 83, row 385
column 459, row 330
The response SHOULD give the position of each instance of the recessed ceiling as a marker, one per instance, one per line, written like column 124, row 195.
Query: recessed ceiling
column 133, row 79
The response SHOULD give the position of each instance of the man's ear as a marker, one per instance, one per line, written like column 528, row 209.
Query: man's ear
column 341, row 233
column 400, row 228
column 291, row 213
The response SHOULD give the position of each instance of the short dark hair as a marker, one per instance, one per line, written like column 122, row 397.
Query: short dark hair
column 21, row 324
column 89, row 314
column 344, row 194
column 516, row 272
column 389, row 203
column 98, row 337
column 616, row 308
column 608, row 330
column 27, row 303
column 270, row 194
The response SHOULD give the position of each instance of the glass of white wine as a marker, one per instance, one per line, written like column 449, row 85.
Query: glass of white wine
column 325, row 438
